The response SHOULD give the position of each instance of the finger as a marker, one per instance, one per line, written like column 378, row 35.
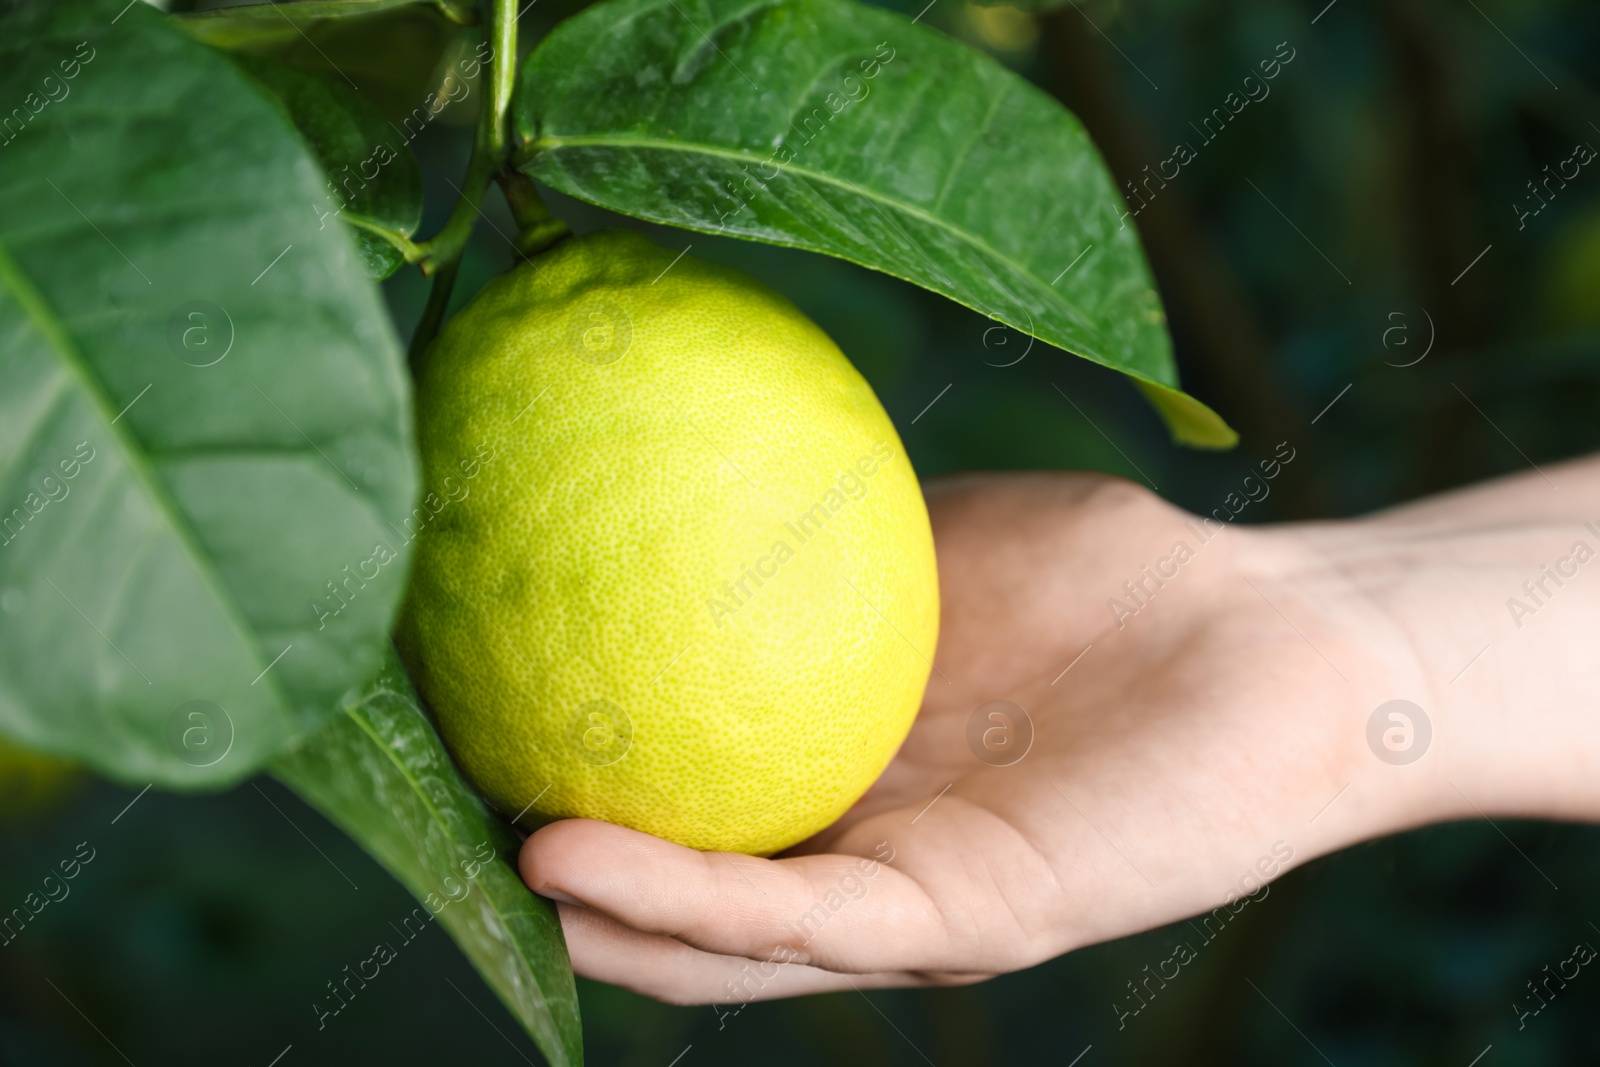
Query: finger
column 666, row 969
column 842, row 913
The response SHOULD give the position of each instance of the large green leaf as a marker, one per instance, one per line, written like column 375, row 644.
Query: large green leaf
column 831, row 126
column 257, row 24
column 204, row 421
column 392, row 54
column 373, row 183
column 381, row 773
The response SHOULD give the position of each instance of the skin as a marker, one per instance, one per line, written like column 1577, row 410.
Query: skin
column 1215, row 739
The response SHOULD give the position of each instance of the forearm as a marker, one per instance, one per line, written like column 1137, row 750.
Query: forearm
column 1495, row 591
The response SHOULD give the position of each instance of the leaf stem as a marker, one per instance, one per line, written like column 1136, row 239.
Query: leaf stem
column 502, row 73
column 407, row 248
column 441, row 254
column 537, row 229
column 433, row 314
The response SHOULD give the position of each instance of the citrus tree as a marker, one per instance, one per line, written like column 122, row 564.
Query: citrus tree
column 209, row 494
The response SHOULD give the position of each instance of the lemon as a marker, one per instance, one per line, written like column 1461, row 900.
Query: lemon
column 674, row 570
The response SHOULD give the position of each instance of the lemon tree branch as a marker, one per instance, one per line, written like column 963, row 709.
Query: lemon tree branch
column 441, row 254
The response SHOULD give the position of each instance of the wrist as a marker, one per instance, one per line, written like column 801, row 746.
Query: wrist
column 1483, row 613
column 1332, row 583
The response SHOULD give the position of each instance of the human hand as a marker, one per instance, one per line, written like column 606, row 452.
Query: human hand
column 1181, row 756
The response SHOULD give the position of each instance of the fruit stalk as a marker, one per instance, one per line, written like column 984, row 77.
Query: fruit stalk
column 537, row 229
column 441, row 255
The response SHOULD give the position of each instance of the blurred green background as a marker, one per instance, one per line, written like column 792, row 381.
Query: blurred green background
column 1363, row 213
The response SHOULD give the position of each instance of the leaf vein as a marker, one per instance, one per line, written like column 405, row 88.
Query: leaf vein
column 1093, row 343
column 59, row 340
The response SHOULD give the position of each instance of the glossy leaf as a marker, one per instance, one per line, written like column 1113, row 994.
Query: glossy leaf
column 381, row 773
column 395, row 56
column 256, row 24
column 204, row 422
column 373, row 183
column 847, row 130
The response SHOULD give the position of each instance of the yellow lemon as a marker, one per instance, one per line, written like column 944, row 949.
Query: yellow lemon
column 674, row 570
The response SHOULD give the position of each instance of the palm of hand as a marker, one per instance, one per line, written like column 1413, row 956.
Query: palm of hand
column 1171, row 768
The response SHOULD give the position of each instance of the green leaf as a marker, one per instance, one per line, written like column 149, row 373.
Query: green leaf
column 380, row 772
column 257, row 24
column 846, row 130
column 1036, row 6
column 374, row 185
column 397, row 57
column 204, row 420
column 1191, row 422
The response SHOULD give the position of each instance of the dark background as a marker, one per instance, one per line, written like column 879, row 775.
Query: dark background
column 1390, row 152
